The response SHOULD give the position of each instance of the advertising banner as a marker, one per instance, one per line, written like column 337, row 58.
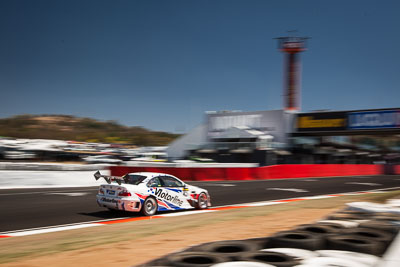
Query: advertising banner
column 270, row 122
column 374, row 119
column 323, row 121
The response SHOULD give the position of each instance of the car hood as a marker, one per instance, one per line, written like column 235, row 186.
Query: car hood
column 195, row 189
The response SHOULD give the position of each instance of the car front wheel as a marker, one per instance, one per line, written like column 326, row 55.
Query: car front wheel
column 149, row 207
column 202, row 201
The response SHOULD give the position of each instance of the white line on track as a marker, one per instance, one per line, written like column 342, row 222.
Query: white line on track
column 47, row 186
column 319, row 197
column 289, row 189
column 225, row 185
column 63, row 225
column 260, row 204
column 187, row 213
column 70, row 194
column 47, row 192
column 370, row 184
column 56, row 229
column 385, row 189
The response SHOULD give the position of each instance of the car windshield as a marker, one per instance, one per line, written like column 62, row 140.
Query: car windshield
column 134, row 179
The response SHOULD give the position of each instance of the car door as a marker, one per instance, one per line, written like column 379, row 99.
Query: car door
column 171, row 193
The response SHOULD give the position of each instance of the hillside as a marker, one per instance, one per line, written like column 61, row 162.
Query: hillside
column 65, row 127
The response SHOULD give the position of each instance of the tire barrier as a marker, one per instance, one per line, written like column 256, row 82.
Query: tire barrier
column 358, row 212
column 372, row 234
column 232, row 249
column 347, row 216
column 270, row 257
column 355, row 243
column 387, row 226
column 363, row 258
column 373, row 207
column 296, row 239
column 358, row 215
column 332, row 224
column 394, row 203
column 384, row 216
column 330, row 261
column 343, row 223
column 299, row 254
column 194, row 259
column 242, row 264
column 325, row 243
column 319, row 229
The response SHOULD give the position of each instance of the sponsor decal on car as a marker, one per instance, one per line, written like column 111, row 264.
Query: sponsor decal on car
column 104, row 199
column 142, row 198
column 164, row 195
column 110, row 192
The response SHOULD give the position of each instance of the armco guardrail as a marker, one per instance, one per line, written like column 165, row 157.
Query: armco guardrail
column 223, row 172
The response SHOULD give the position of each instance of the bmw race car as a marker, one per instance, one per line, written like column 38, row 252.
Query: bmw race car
column 149, row 192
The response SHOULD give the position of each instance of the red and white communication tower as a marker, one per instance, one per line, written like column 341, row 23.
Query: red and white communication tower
column 292, row 46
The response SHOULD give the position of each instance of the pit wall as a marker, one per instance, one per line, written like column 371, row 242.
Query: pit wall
column 258, row 173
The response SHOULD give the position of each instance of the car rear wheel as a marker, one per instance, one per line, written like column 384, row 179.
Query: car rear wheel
column 202, row 201
column 149, row 207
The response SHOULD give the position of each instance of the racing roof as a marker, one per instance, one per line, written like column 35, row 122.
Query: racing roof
column 119, row 179
column 150, row 175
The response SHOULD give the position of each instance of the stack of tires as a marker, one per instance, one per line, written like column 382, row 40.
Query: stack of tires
column 347, row 238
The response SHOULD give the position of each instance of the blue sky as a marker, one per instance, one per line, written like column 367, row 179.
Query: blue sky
column 162, row 64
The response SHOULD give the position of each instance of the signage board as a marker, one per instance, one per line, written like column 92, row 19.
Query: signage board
column 374, row 119
column 272, row 122
column 322, row 121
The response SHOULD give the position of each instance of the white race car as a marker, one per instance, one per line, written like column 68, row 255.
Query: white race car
column 149, row 192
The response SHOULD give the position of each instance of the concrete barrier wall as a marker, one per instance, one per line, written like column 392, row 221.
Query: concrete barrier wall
column 397, row 169
column 48, row 179
column 257, row 173
column 38, row 166
column 316, row 170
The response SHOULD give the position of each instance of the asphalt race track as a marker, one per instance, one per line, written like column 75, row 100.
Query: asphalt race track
column 32, row 208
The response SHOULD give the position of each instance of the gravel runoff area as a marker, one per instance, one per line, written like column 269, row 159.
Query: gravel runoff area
column 134, row 243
